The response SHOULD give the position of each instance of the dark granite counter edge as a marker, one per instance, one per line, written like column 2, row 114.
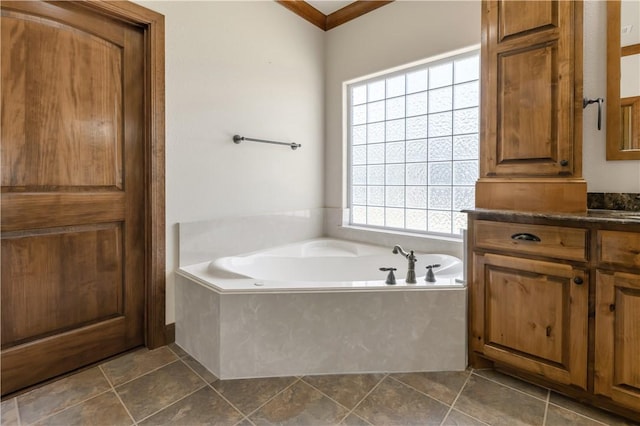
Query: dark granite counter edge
column 593, row 215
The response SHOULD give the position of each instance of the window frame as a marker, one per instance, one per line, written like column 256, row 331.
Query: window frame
column 447, row 57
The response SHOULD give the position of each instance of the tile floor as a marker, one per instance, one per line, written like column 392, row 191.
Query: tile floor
column 168, row 387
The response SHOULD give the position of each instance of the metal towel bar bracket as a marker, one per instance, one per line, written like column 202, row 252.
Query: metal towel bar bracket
column 238, row 139
column 586, row 102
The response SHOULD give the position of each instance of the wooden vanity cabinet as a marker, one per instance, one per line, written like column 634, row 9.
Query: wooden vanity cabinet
column 556, row 301
column 529, row 302
column 617, row 318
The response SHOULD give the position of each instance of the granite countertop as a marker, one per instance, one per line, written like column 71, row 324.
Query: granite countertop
column 591, row 215
column 602, row 207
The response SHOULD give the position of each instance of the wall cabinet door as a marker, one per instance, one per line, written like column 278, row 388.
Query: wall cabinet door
column 532, row 86
column 617, row 337
column 531, row 315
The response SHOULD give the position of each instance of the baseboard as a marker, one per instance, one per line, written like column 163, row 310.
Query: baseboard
column 170, row 333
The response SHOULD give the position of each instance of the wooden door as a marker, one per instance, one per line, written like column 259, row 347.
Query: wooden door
column 532, row 315
column 73, row 272
column 617, row 337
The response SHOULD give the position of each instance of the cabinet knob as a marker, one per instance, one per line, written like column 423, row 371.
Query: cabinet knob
column 578, row 280
column 564, row 163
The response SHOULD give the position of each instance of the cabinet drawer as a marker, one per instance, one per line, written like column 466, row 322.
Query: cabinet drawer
column 543, row 240
column 619, row 248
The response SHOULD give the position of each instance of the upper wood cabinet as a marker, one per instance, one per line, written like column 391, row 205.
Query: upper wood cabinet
column 531, row 107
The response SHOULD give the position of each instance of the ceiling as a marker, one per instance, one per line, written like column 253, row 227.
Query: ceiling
column 328, row 6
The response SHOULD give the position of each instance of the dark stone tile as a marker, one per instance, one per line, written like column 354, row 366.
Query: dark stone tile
column 154, row 391
column 353, row 420
column 347, row 389
column 177, row 350
column 456, row 418
column 200, row 369
column 245, row 422
column 249, row 394
column 393, row 403
column 443, row 386
column 588, row 411
column 558, row 416
column 9, row 412
column 61, row 394
column 135, row 364
column 204, row 407
column 104, row 409
column 513, row 382
column 299, row 404
column 496, row 404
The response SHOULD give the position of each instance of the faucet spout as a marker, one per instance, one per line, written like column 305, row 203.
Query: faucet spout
column 397, row 249
column 411, row 271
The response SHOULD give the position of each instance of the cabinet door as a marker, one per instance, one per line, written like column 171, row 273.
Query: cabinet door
column 531, row 315
column 531, row 66
column 617, row 337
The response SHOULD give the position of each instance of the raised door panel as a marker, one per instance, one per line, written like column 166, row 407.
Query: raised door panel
column 60, row 279
column 617, row 337
column 70, row 140
column 528, row 105
column 531, row 315
column 518, row 17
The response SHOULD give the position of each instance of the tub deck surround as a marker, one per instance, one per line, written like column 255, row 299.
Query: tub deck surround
column 238, row 329
column 299, row 333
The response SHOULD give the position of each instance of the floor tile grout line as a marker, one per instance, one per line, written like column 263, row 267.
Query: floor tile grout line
column 176, row 353
column 421, row 392
column 456, row 398
column 512, row 388
column 145, row 373
column 247, row 419
column 211, row 385
column 68, row 407
column 117, row 395
column 15, row 400
column 546, row 408
column 324, row 394
column 204, row 385
column 579, row 414
column 273, row 397
column 363, row 398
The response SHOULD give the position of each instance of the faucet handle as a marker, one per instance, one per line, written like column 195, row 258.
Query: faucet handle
column 431, row 278
column 391, row 278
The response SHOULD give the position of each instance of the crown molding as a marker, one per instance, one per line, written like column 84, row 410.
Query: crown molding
column 339, row 17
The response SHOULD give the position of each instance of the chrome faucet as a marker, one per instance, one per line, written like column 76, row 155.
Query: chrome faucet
column 411, row 272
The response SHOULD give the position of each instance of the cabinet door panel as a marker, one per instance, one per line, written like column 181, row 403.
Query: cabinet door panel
column 617, row 337
column 531, row 82
column 534, row 327
column 524, row 17
column 534, row 316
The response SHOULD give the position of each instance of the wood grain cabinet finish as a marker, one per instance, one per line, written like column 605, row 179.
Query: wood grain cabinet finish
column 617, row 318
column 534, row 316
column 562, row 309
column 531, row 114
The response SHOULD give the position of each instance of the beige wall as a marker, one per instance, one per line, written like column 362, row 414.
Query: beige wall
column 399, row 33
column 252, row 68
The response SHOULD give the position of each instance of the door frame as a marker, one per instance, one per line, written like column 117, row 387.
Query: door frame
column 152, row 24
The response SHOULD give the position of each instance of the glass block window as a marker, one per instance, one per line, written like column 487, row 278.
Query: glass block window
column 413, row 146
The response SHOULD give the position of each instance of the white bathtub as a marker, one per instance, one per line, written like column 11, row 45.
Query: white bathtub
column 322, row 264
column 321, row 306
